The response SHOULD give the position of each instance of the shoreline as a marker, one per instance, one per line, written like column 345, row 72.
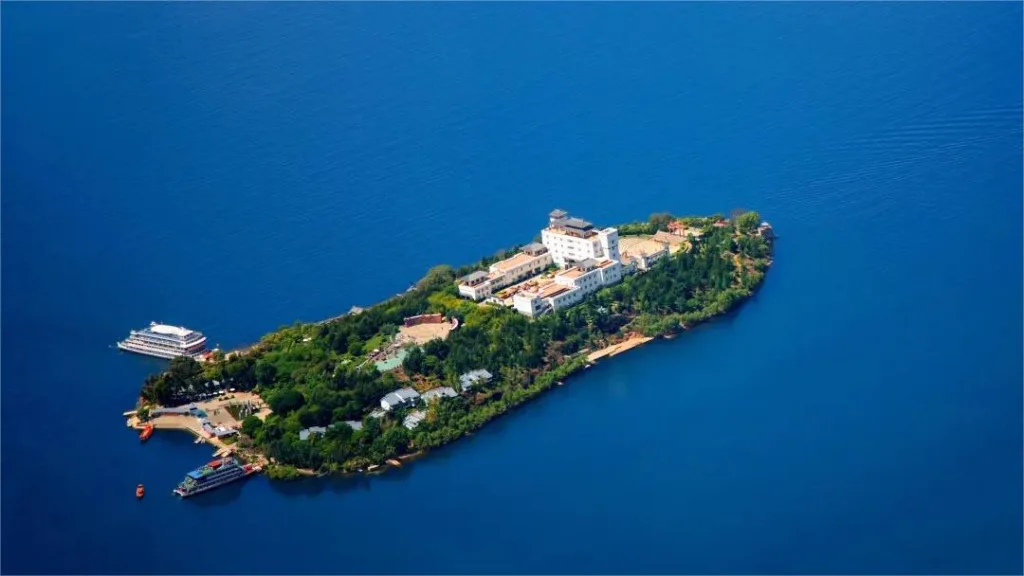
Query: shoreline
column 190, row 424
column 180, row 423
column 373, row 470
column 631, row 342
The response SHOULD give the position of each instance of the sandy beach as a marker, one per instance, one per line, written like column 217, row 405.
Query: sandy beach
column 627, row 344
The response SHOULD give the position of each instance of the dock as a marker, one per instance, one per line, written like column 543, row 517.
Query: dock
column 203, row 420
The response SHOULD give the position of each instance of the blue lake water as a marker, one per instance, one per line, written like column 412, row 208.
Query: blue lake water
column 236, row 167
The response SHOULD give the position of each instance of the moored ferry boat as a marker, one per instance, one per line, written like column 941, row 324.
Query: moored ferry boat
column 213, row 475
column 164, row 341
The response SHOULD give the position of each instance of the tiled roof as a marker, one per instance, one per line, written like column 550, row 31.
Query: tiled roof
column 435, row 393
column 471, row 378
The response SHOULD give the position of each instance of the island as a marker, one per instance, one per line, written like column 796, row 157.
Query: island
column 377, row 386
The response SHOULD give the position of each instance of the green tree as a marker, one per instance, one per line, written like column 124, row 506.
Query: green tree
column 395, row 440
column 340, row 433
column 371, row 427
column 185, row 369
column 413, row 362
column 354, row 345
column 266, row 372
column 748, row 221
column 251, row 426
column 660, row 220
column 284, row 401
column 283, row 472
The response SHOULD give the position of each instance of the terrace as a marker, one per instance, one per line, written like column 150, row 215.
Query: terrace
column 513, row 262
column 552, row 290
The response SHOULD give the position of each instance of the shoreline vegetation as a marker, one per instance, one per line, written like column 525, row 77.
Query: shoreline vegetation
column 317, row 387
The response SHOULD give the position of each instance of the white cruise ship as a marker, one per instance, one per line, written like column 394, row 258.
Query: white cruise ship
column 164, row 341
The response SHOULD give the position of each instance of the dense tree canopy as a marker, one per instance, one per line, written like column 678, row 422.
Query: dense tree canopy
column 747, row 222
column 320, row 374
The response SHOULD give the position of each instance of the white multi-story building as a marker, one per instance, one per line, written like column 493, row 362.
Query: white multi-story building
column 572, row 240
column 589, row 257
column 530, row 261
column 533, row 303
column 569, row 287
column 476, row 286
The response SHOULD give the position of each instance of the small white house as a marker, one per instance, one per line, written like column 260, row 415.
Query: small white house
column 403, row 397
column 312, row 431
column 438, row 393
column 470, row 379
column 413, row 419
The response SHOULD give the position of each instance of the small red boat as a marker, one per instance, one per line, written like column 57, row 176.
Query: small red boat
column 146, row 432
column 140, row 491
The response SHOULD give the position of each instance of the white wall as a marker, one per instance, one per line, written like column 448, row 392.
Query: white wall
column 645, row 261
column 609, row 239
column 478, row 292
column 531, row 267
column 563, row 247
column 566, row 299
column 526, row 304
column 588, row 282
column 611, row 274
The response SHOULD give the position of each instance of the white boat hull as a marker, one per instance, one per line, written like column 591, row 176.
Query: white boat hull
column 154, row 351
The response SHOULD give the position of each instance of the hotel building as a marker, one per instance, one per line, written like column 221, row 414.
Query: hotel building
column 589, row 259
column 530, row 261
column 569, row 287
column 572, row 240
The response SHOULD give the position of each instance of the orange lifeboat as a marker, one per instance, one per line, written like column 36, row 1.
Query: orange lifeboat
column 215, row 463
column 140, row 491
column 146, row 432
